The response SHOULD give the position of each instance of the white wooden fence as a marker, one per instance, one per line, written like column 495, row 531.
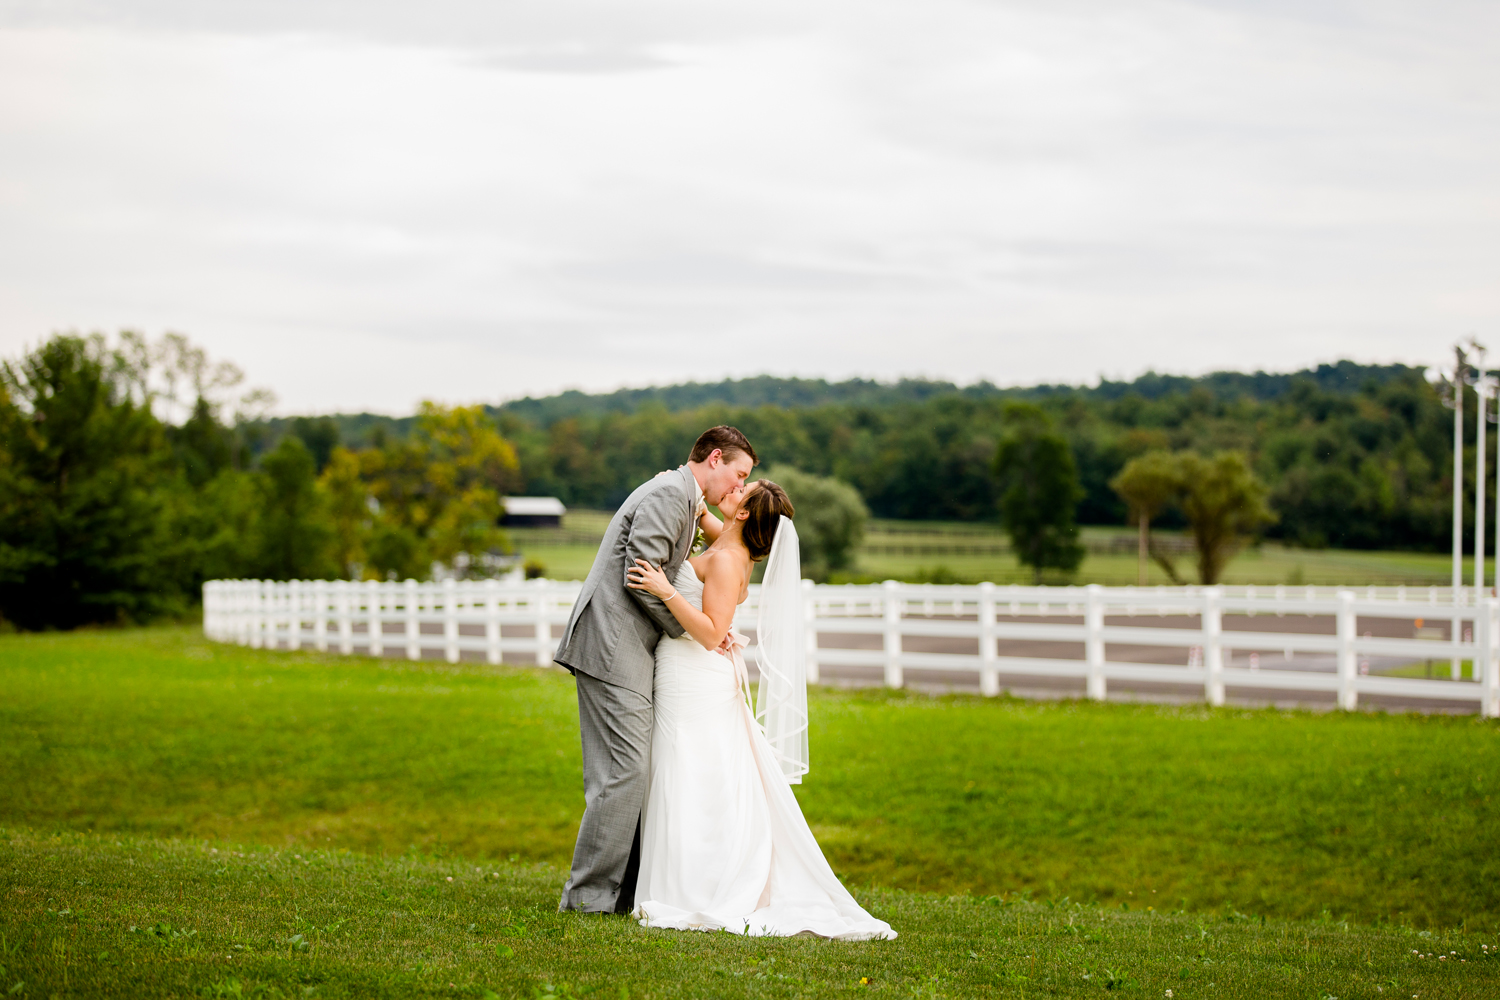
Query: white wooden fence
column 472, row 617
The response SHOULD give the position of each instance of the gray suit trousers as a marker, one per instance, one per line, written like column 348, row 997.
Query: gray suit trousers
column 615, row 727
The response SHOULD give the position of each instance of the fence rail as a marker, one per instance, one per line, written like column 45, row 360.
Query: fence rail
column 985, row 630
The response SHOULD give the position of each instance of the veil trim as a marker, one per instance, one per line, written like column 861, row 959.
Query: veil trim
column 781, row 655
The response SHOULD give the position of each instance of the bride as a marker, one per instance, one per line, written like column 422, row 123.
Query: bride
column 724, row 845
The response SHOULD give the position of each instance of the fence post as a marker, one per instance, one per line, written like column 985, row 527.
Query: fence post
column 1456, row 664
column 1213, row 647
column 233, row 605
column 209, row 614
column 1093, row 644
column 262, row 613
column 234, row 593
column 810, row 617
column 1489, row 691
column 893, row 676
column 259, row 598
column 343, row 604
column 320, row 615
column 413, row 625
column 294, row 615
column 374, row 594
column 989, row 677
column 492, row 620
column 450, row 620
column 1348, row 694
column 543, row 621
column 249, row 602
column 275, row 598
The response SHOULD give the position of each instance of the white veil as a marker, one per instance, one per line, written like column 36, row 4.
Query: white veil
column 781, row 647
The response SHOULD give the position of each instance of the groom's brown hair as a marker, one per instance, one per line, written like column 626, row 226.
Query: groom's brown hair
column 726, row 439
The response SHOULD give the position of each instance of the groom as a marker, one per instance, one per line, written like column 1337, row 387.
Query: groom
column 610, row 646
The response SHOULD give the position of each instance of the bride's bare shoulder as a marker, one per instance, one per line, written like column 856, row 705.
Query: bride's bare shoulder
column 726, row 568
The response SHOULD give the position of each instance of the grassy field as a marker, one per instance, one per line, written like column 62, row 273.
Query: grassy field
column 159, row 733
column 90, row 916
column 276, row 824
column 568, row 556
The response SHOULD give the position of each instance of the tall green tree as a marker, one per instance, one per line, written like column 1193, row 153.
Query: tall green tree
column 83, row 469
column 1224, row 504
column 296, row 533
column 1038, row 491
column 1150, row 484
column 321, row 435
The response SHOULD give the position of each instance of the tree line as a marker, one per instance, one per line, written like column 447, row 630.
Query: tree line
column 130, row 472
column 1352, row 456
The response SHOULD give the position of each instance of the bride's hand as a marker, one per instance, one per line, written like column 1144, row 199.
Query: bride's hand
column 644, row 576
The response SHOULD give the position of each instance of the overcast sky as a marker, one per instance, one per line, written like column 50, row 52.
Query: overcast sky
column 368, row 204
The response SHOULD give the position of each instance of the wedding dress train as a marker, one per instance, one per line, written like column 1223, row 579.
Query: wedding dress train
column 724, row 845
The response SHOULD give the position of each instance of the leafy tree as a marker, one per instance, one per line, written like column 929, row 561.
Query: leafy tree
column 296, row 536
column 82, row 466
column 320, row 434
column 1149, row 485
column 1223, row 503
column 397, row 552
column 223, row 523
column 1039, row 491
column 349, row 508
column 202, row 446
column 438, row 493
column 830, row 519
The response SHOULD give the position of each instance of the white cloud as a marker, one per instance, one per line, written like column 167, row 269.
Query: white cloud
column 365, row 206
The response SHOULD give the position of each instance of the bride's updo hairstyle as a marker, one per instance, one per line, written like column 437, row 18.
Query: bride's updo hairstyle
column 766, row 506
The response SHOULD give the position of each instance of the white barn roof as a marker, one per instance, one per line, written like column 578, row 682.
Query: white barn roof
column 534, row 507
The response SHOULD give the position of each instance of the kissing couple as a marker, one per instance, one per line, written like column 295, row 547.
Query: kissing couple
column 689, row 820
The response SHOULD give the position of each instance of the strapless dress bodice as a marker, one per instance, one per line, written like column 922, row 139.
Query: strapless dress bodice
column 688, row 584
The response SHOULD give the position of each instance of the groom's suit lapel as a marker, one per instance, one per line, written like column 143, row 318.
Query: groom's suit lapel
column 685, row 540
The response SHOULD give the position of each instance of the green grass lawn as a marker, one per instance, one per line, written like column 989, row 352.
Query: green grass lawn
column 562, row 562
column 1266, row 565
column 386, row 775
column 88, row 916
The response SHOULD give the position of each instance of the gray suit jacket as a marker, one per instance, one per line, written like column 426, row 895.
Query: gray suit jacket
column 613, row 630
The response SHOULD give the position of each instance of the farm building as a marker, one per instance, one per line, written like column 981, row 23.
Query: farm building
column 533, row 512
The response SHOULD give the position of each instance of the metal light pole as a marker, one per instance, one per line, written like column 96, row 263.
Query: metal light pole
column 1460, row 365
column 1458, row 470
column 1480, row 390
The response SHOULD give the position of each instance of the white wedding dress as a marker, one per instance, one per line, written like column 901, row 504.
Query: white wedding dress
column 724, row 845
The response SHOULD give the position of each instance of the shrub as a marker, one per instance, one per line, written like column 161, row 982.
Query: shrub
column 830, row 519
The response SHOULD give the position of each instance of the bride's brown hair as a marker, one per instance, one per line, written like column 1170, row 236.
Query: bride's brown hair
column 766, row 507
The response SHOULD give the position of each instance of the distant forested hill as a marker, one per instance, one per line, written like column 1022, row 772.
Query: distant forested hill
column 801, row 393
column 1356, row 455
